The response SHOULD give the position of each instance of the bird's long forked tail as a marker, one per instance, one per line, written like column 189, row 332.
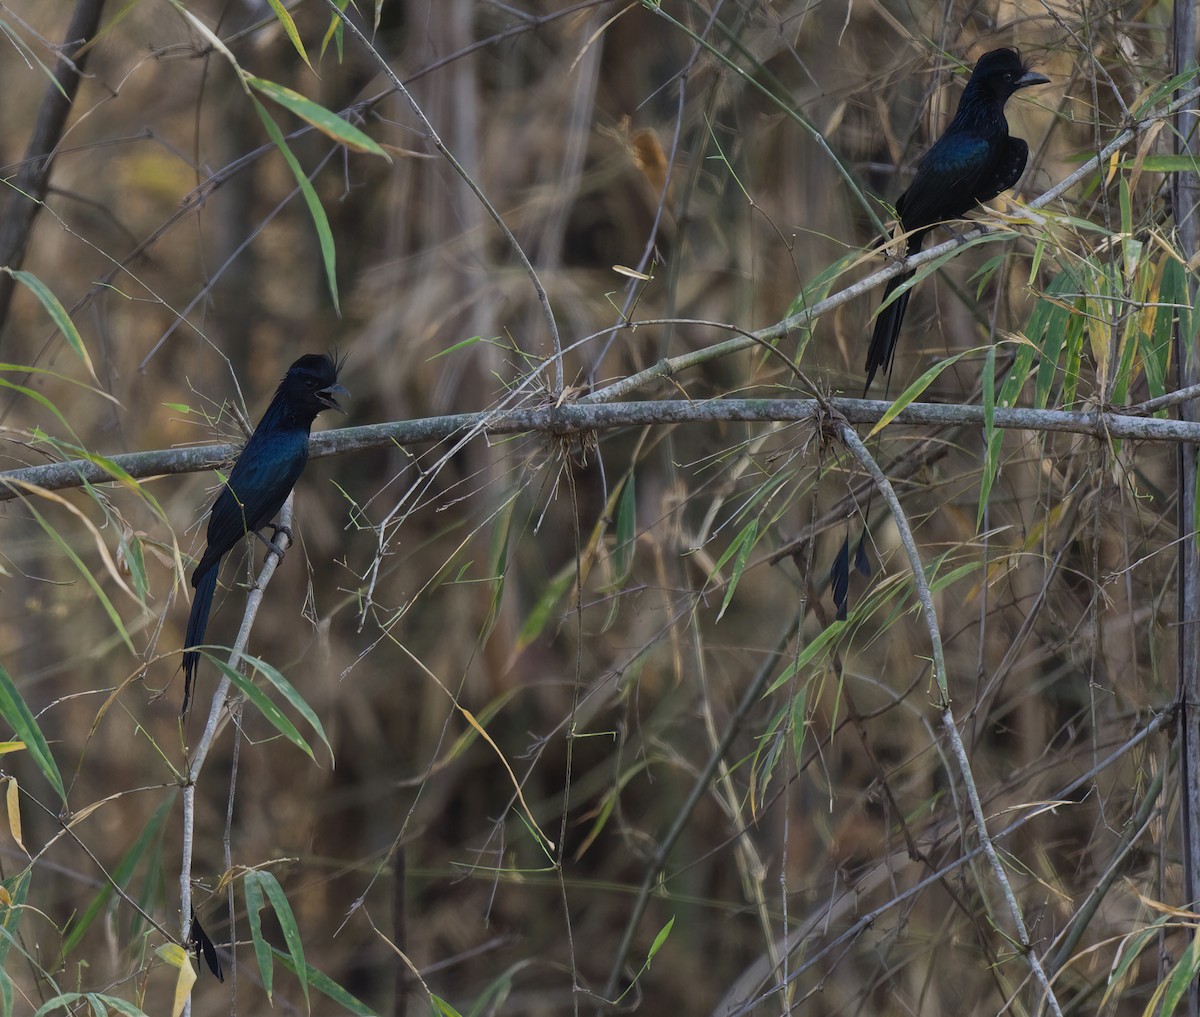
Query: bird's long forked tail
column 206, row 586
column 887, row 329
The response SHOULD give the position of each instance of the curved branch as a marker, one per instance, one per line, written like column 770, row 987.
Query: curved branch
column 852, row 441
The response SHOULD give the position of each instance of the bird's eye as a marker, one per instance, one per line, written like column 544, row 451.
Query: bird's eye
column 1008, row 76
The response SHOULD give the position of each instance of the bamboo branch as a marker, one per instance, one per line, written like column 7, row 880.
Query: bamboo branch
column 217, row 715
column 578, row 418
column 852, row 441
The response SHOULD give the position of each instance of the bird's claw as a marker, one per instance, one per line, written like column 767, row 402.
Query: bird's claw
column 273, row 544
column 273, row 547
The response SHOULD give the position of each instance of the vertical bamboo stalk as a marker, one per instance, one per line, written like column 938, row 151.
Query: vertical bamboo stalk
column 1185, row 194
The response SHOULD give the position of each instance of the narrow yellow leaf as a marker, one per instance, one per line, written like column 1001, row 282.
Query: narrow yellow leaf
column 177, row 957
column 1113, row 163
column 632, row 273
column 289, row 26
column 12, row 799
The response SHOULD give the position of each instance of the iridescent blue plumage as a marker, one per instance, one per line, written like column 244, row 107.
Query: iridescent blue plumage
column 973, row 161
column 259, row 483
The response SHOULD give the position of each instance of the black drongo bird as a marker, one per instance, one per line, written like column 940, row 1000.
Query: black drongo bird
column 973, row 161
column 260, row 482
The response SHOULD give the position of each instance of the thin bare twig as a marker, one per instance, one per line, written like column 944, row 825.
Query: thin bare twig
column 700, row 787
column 743, row 995
column 458, row 168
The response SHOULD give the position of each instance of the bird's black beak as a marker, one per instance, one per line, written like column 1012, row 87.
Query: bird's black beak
column 329, row 397
column 1031, row 78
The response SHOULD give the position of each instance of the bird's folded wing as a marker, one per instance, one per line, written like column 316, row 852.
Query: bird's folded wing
column 253, row 494
column 948, row 179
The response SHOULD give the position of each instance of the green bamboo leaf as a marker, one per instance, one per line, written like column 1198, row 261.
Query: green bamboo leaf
column 122, row 874
column 1182, row 977
column 20, row 718
column 1161, row 93
column 289, row 27
column 922, row 273
column 287, row 923
column 1196, row 505
column 30, row 56
column 938, row 582
column 805, row 657
column 38, row 398
column 252, row 887
column 456, row 347
column 1125, row 201
column 744, row 543
column 10, row 917
column 58, row 315
column 498, row 564
column 118, row 474
column 1127, row 348
column 335, row 31
column 130, row 552
column 1129, row 953
column 657, row 945
column 85, row 572
column 1010, row 391
column 799, row 723
column 917, row 388
column 325, row 985
column 815, row 290
column 985, row 272
column 96, row 1000
column 1172, row 305
column 324, row 120
column 262, row 702
column 608, row 804
column 1048, row 328
column 288, row 691
column 320, row 220
column 207, row 34
column 1165, row 164
column 660, row 940
column 545, row 609
column 440, row 1006
column 626, row 532
column 989, row 432
column 1039, row 252
column 492, row 998
column 767, row 753
column 470, row 734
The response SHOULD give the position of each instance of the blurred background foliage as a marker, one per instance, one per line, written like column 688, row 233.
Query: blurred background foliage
column 632, row 619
